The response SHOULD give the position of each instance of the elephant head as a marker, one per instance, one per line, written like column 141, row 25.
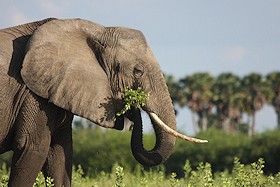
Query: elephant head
column 84, row 67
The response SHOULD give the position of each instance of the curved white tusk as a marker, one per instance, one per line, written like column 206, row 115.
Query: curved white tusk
column 173, row 132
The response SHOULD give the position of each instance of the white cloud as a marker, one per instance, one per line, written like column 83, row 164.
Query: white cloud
column 234, row 54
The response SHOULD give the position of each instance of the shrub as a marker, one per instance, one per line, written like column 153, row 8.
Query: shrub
column 223, row 148
column 98, row 150
column 202, row 176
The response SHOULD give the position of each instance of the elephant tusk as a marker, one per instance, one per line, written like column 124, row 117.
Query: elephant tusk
column 173, row 132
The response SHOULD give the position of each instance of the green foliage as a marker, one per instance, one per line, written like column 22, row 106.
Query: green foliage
column 202, row 176
column 49, row 182
column 240, row 176
column 4, row 175
column 187, row 169
column 40, row 181
column 173, row 181
column 223, row 147
column 6, row 159
column 78, row 176
column 119, row 177
column 97, row 150
column 4, row 180
column 266, row 146
column 133, row 98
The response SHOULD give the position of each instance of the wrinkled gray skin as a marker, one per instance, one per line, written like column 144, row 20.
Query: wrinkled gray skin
column 53, row 69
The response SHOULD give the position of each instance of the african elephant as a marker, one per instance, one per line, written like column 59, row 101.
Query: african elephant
column 53, row 69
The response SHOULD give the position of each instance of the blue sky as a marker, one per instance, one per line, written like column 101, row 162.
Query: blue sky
column 187, row 36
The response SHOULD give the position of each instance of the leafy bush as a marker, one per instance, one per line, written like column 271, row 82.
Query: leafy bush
column 267, row 146
column 223, row 148
column 98, row 150
column 202, row 176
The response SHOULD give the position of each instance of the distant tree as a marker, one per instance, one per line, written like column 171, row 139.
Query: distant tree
column 273, row 79
column 176, row 93
column 227, row 98
column 256, row 91
column 229, row 94
column 197, row 94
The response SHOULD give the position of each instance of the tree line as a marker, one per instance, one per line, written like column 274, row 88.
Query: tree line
column 222, row 100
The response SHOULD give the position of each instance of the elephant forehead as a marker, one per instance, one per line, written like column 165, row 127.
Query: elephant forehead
column 131, row 34
column 131, row 50
column 134, row 45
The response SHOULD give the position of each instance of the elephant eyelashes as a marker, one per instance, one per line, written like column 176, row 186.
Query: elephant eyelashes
column 138, row 71
column 117, row 67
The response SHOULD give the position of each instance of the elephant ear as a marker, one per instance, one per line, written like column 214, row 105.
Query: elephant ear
column 61, row 65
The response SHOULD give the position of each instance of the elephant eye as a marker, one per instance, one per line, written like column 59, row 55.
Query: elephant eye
column 138, row 71
column 117, row 67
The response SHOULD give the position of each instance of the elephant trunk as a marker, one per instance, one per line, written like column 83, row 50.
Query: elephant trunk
column 144, row 157
column 160, row 105
column 161, row 112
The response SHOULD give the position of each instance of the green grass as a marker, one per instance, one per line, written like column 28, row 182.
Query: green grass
column 241, row 175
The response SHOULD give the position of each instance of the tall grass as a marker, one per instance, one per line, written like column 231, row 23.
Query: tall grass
column 241, row 175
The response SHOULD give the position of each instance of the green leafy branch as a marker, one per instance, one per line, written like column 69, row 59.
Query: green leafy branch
column 133, row 98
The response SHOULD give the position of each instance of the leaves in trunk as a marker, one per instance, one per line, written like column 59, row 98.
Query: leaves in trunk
column 133, row 98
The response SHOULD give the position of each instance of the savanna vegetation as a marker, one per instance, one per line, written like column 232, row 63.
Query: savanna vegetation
column 98, row 152
column 102, row 157
column 221, row 101
column 202, row 176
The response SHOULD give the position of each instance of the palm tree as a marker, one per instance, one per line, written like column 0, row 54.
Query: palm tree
column 197, row 91
column 228, row 100
column 273, row 79
column 174, row 90
column 255, row 91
